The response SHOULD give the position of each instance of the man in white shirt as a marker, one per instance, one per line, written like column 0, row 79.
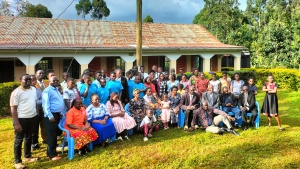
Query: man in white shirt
column 23, row 110
column 64, row 83
column 143, row 74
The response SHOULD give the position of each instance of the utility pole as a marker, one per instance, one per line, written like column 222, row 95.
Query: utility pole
column 138, row 32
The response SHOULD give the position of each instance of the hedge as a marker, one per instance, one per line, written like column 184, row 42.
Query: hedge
column 5, row 91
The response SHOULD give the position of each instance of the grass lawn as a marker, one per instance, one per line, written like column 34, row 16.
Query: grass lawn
column 265, row 147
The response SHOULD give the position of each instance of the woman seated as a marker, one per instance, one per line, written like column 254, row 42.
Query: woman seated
column 137, row 106
column 122, row 121
column 78, row 126
column 99, row 119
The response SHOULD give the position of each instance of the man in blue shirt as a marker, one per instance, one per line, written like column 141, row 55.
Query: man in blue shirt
column 102, row 91
column 53, row 104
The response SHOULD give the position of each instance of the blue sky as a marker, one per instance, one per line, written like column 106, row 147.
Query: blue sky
column 162, row 11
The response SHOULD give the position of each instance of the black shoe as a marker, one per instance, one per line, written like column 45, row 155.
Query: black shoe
column 35, row 146
column 82, row 152
column 222, row 130
column 245, row 128
column 234, row 132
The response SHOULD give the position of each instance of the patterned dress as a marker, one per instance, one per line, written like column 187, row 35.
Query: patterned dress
column 162, row 87
column 77, row 118
column 104, row 131
column 136, row 108
column 174, row 102
column 121, row 123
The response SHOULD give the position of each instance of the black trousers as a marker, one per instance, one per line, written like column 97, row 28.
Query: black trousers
column 51, row 132
column 252, row 118
column 39, row 124
column 27, row 129
column 188, row 117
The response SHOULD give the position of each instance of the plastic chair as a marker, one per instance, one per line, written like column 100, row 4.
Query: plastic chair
column 71, row 141
column 181, row 117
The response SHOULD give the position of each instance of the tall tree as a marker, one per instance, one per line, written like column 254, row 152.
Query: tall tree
column 21, row 6
column 148, row 19
column 99, row 10
column 39, row 11
column 5, row 8
column 83, row 8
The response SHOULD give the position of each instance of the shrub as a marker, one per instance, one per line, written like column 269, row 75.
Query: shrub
column 5, row 91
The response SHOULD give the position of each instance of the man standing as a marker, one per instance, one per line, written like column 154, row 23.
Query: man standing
column 103, row 92
column 188, row 104
column 202, row 84
column 143, row 74
column 23, row 110
column 156, row 75
column 210, row 124
column 64, row 83
column 124, row 97
column 181, row 72
column 211, row 97
column 53, row 104
column 97, row 78
column 41, row 85
column 247, row 104
column 103, row 75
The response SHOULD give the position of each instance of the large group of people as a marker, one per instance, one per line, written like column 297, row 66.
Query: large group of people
column 96, row 108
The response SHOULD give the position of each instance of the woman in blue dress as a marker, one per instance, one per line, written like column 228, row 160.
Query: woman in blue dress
column 114, row 85
column 87, row 89
column 99, row 119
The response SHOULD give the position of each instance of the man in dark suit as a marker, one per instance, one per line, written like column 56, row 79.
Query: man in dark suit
column 124, row 97
column 188, row 104
column 211, row 97
column 247, row 104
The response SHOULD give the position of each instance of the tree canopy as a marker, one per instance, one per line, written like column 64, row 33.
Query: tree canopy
column 97, row 9
column 38, row 11
column 148, row 19
column 270, row 29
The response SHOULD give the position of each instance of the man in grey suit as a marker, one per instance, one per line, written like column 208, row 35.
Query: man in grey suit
column 247, row 104
column 188, row 104
column 211, row 97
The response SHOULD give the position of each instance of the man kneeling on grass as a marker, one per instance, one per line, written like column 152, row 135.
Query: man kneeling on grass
column 209, row 123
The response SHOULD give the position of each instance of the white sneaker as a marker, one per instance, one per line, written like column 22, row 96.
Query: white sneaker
column 186, row 127
column 166, row 128
column 196, row 126
column 19, row 166
column 145, row 139
column 120, row 138
column 127, row 137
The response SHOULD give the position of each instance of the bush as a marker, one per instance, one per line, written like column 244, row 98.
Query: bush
column 5, row 92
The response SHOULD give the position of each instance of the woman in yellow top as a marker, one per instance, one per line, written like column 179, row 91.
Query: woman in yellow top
column 225, row 80
column 195, row 76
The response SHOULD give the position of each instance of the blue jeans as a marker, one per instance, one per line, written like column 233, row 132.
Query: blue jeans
column 235, row 110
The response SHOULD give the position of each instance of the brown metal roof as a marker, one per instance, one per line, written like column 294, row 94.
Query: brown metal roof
column 19, row 32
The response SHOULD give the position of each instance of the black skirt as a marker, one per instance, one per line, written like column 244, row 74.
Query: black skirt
column 270, row 105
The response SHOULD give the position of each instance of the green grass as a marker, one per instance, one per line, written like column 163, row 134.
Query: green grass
column 265, row 147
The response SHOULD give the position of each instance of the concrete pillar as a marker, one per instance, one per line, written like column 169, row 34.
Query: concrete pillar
column 188, row 63
column 220, row 62
column 128, row 61
column 30, row 62
column 206, row 61
column 237, row 61
column 84, row 61
column 103, row 62
column 173, row 58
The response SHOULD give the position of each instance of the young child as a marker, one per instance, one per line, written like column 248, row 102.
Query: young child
column 149, row 124
column 181, row 91
column 165, row 111
column 70, row 93
column 251, row 86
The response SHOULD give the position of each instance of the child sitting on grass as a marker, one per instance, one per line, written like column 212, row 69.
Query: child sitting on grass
column 149, row 124
column 165, row 111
